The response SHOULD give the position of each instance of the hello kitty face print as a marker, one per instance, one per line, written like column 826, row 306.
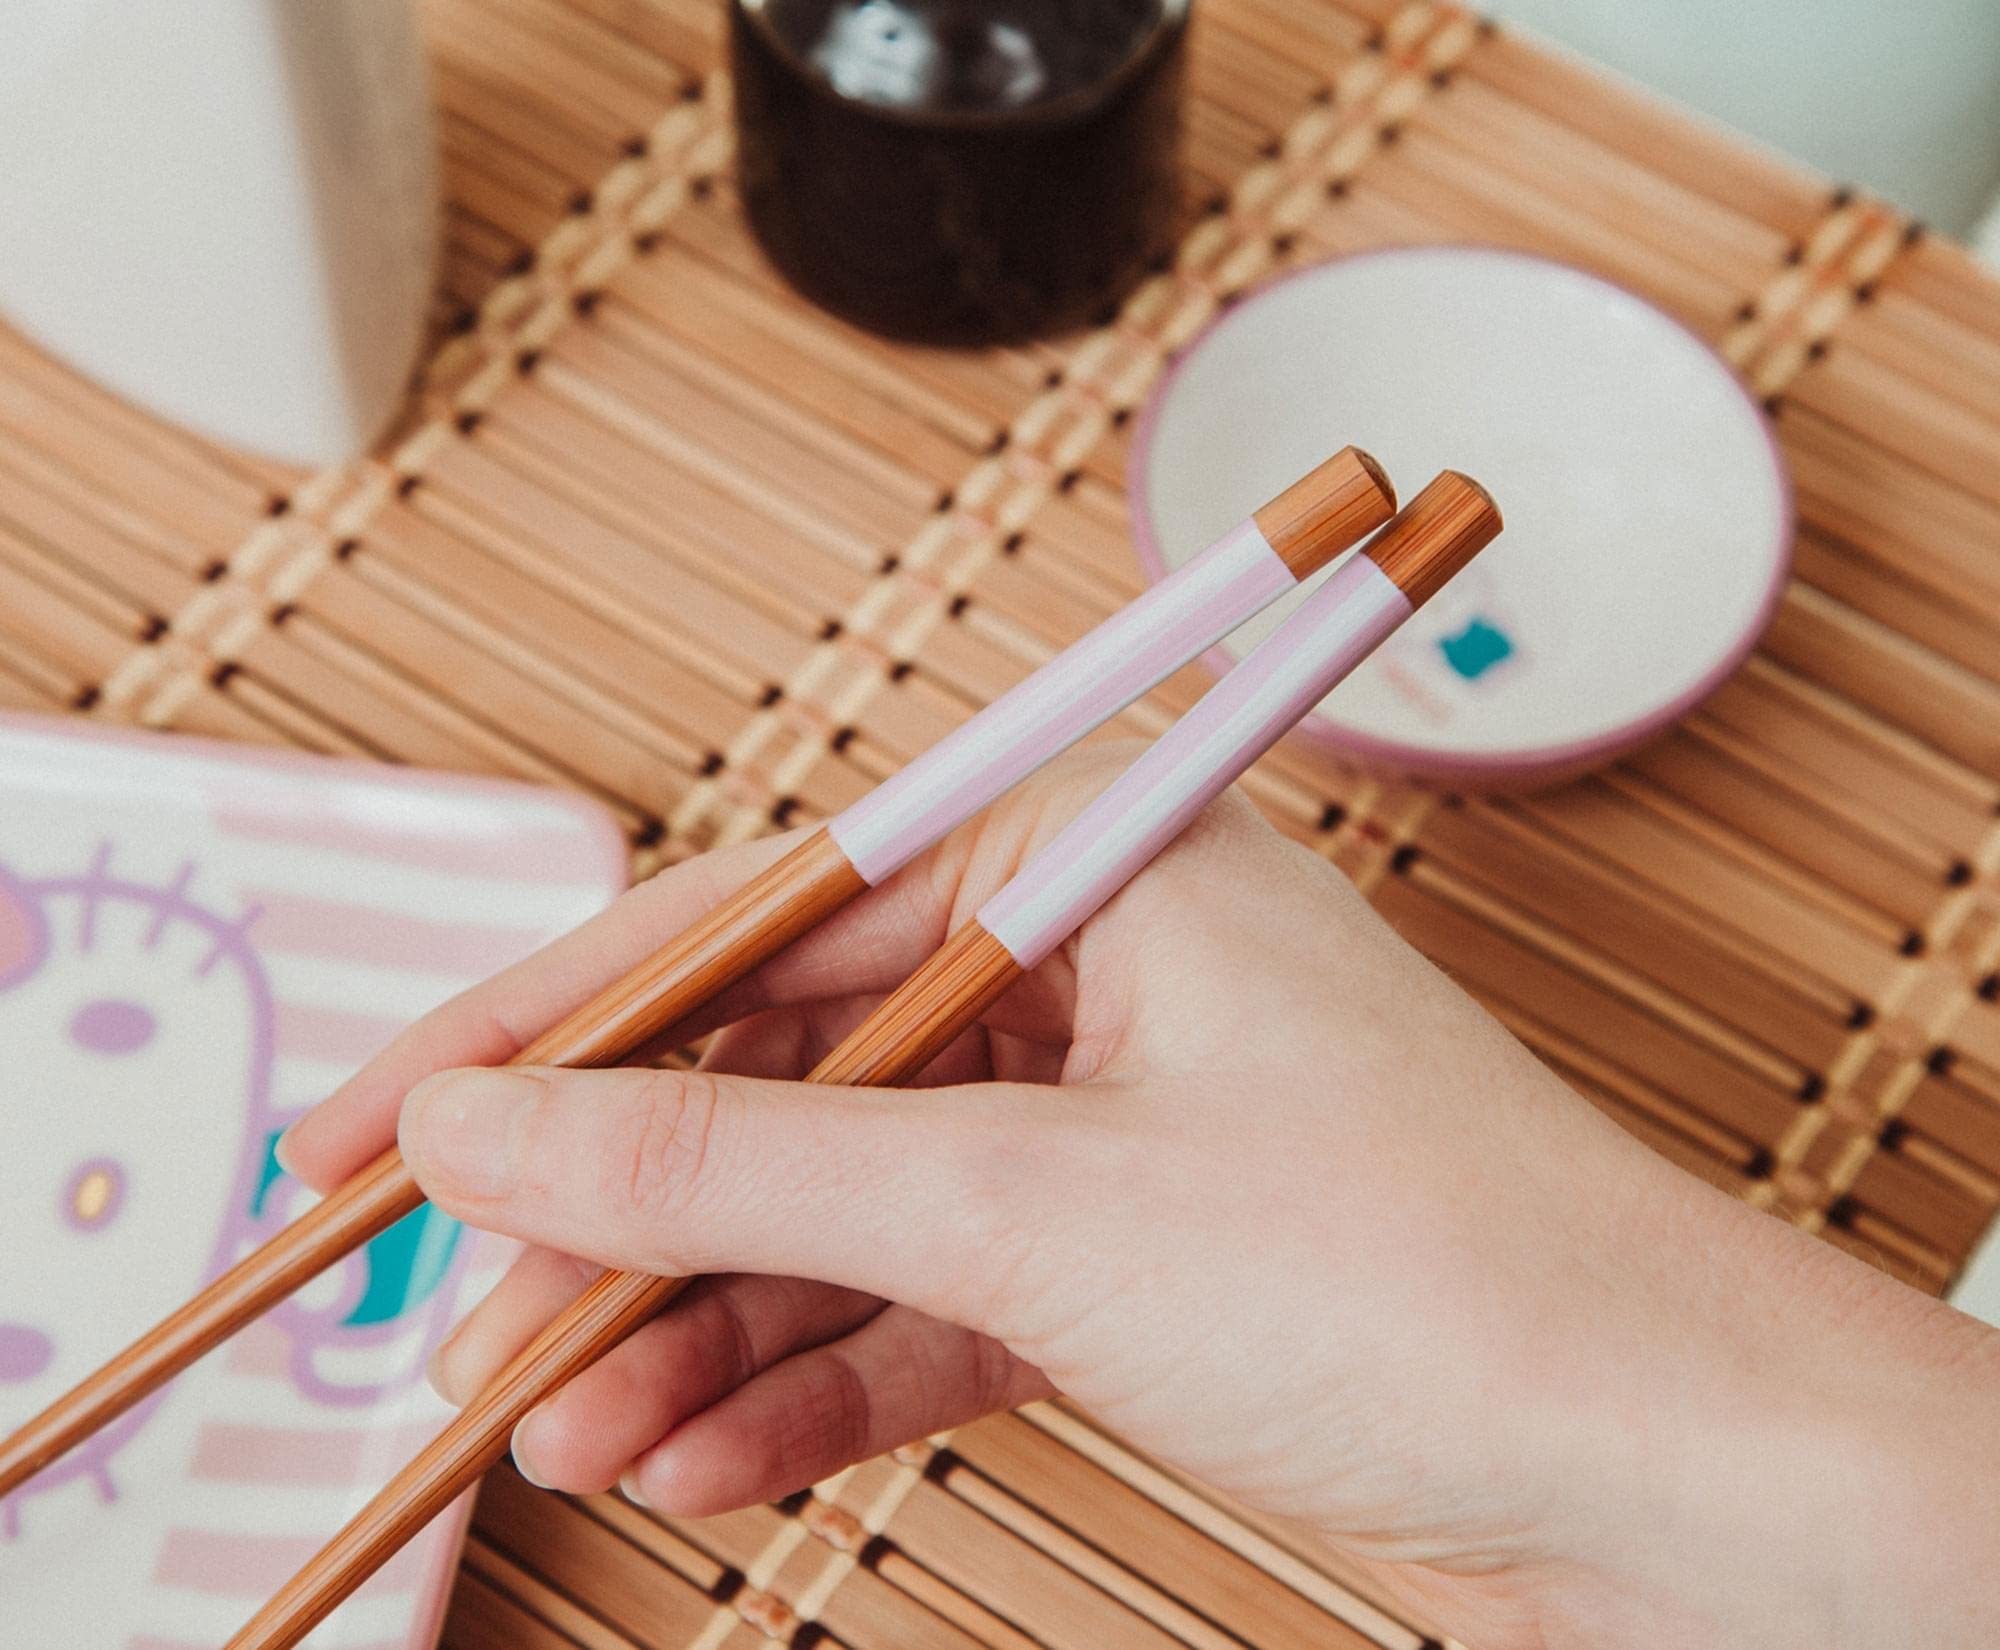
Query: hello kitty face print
column 120, row 1002
column 131, row 1003
column 196, row 944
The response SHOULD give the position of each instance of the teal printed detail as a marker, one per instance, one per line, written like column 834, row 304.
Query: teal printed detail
column 269, row 1174
column 1476, row 649
column 405, row 1264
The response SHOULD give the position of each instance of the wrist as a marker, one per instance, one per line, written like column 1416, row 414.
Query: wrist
column 1799, row 1449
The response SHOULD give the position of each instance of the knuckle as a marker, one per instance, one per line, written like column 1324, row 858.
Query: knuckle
column 1072, row 784
column 831, row 1424
column 998, row 1183
column 735, row 1347
column 1229, row 828
column 973, row 863
column 992, row 1373
column 981, row 1178
column 663, row 1143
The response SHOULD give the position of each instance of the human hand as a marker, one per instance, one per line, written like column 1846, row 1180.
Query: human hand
column 1247, row 1177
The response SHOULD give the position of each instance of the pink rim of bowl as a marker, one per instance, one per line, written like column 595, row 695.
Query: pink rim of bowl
column 1528, row 766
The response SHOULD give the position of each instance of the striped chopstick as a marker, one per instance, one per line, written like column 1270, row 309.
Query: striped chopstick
column 1239, row 719
column 1265, row 555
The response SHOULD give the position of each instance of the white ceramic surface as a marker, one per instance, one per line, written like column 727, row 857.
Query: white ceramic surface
column 1978, row 1288
column 225, row 210
column 1904, row 99
column 195, row 944
column 1648, row 514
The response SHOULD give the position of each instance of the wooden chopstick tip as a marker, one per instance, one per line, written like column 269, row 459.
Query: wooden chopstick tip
column 1333, row 506
column 1437, row 533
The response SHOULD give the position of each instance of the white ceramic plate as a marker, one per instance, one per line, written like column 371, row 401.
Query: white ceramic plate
column 197, row 942
column 1648, row 511
column 1978, row 1288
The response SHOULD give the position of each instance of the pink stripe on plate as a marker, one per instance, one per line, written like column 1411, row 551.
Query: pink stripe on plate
column 356, row 933
column 309, row 1032
column 261, row 1349
column 229, row 1452
column 520, row 855
column 237, row 1564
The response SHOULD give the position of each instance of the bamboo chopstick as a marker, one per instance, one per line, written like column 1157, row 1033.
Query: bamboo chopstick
column 1322, row 514
column 1337, row 627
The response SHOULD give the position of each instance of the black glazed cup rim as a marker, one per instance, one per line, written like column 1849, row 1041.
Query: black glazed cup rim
column 1172, row 21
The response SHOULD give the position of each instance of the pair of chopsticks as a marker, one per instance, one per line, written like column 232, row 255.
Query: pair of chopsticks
column 1286, row 541
column 1331, row 632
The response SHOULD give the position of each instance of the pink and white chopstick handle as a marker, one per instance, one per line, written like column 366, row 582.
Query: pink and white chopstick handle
column 1080, row 689
column 1195, row 760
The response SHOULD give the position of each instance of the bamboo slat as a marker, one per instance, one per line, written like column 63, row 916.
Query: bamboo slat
column 657, row 530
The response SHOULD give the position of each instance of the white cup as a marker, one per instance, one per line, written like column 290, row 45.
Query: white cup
column 225, row 210
column 1904, row 99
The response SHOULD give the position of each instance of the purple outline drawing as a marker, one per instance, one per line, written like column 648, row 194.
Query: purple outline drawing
column 113, row 1027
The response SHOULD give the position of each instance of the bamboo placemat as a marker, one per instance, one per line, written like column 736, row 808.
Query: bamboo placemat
column 657, row 530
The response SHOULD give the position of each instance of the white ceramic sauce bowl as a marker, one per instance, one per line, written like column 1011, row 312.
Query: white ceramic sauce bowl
column 1649, row 512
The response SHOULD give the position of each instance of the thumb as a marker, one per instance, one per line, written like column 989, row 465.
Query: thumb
column 909, row 1195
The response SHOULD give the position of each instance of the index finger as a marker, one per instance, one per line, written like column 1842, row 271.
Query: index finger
column 871, row 946
column 489, row 1023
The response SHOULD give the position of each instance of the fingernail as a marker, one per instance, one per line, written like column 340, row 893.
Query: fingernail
column 467, row 1127
column 628, row 1486
column 520, row 1456
column 434, row 1373
column 282, row 1151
